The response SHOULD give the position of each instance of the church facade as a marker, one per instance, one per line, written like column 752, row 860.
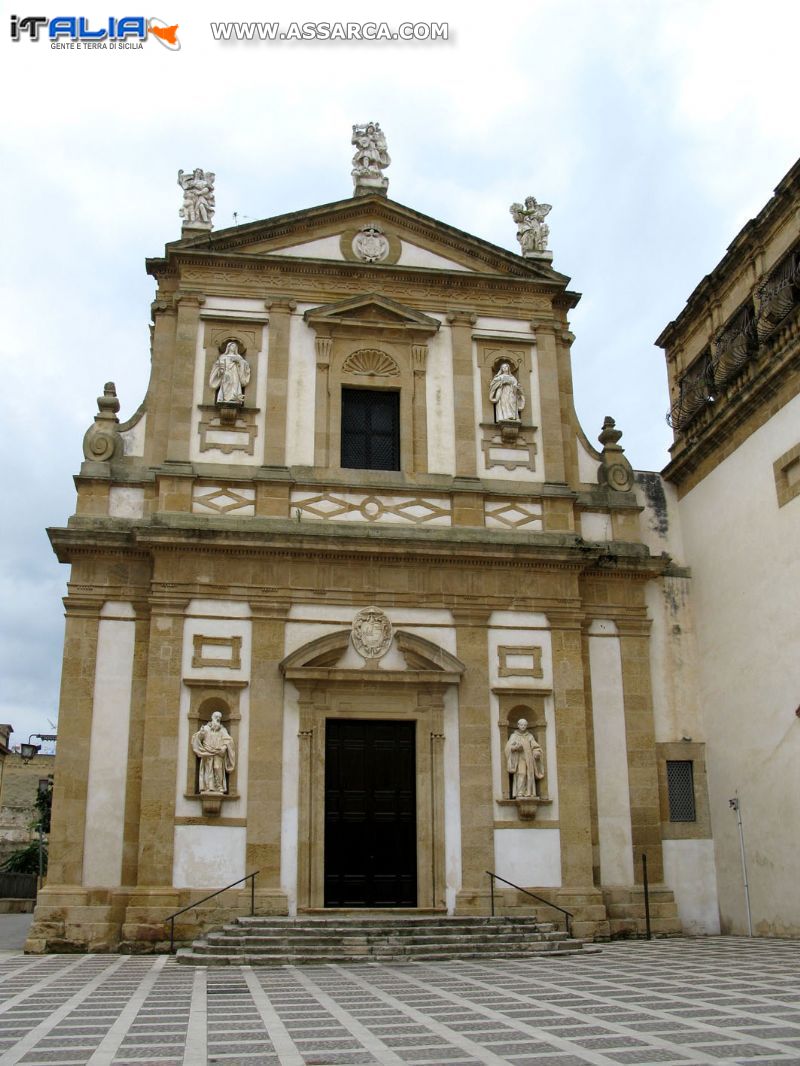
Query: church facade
column 355, row 603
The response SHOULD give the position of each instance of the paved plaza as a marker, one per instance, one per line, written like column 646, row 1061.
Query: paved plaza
column 721, row 1000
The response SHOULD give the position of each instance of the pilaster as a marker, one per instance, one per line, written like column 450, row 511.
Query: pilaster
column 419, row 357
column 474, row 740
column 641, row 741
column 466, row 418
column 550, row 400
column 280, row 311
column 160, row 737
column 264, row 775
column 157, row 402
column 572, row 744
column 183, row 369
column 65, row 866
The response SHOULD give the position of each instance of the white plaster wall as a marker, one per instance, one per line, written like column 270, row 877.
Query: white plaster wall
column 595, row 525
column 521, row 629
column 503, row 327
column 301, row 395
column 610, row 752
column 452, row 797
column 440, row 401
column 322, row 248
column 208, row 856
column 215, row 618
column 256, row 391
column 743, row 551
column 108, row 752
column 235, row 307
column 133, row 438
column 587, row 464
column 659, row 520
column 690, row 872
column 414, row 256
column 531, row 858
column 125, row 502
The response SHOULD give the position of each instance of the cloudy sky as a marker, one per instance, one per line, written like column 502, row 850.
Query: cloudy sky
column 656, row 128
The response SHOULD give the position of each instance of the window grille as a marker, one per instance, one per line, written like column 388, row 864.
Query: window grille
column 680, row 789
column 370, row 429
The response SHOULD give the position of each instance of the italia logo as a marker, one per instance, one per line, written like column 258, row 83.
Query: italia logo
column 79, row 29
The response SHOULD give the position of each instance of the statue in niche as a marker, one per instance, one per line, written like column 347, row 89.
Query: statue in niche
column 229, row 375
column 532, row 231
column 525, row 761
column 213, row 746
column 198, row 197
column 371, row 156
column 505, row 392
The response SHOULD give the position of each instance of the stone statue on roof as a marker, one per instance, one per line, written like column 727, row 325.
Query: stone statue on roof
column 198, row 198
column 370, row 159
column 532, row 231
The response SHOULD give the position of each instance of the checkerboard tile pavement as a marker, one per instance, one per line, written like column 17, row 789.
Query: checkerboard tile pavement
column 686, row 1002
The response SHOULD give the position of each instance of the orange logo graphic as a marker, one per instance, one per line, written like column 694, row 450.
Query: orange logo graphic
column 164, row 34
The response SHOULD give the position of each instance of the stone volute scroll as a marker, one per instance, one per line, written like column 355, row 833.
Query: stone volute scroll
column 615, row 472
column 102, row 442
column 532, row 230
column 230, row 375
column 371, row 634
column 369, row 160
column 213, row 745
column 198, row 198
column 506, row 393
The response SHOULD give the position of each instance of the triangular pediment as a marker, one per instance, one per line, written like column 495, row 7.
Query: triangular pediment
column 371, row 309
column 325, row 658
column 327, row 232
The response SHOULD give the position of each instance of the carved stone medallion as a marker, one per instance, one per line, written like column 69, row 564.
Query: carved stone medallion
column 372, row 633
column 370, row 244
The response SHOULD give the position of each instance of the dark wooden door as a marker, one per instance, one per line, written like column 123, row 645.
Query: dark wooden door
column 370, row 814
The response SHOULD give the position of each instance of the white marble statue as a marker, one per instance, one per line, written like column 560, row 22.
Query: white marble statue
column 229, row 375
column 213, row 746
column 532, row 232
column 371, row 156
column 525, row 760
column 505, row 392
column 198, row 197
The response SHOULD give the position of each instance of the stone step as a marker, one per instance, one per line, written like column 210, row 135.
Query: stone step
column 391, row 937
column 188, row 956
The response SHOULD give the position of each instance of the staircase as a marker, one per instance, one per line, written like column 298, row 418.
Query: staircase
column 351, row 938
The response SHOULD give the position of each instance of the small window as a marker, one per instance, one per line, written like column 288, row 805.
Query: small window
column 680, row 788
column 370, row 429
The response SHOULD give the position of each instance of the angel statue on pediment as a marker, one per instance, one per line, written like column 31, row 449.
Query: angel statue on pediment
column 532, row 231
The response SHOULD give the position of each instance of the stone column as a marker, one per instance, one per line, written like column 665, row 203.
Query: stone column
column 419, row 356
column 65, row 866
column 475, row 745
column 181, row 402
column 466, row 418
column 572, row 745
column 264, row 775
column 280, row 311
column 160, row 740
column 550, row 400
column 642, row 763
column 130, row 850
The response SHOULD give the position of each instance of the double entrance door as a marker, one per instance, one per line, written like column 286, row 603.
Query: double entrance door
column 370, row 813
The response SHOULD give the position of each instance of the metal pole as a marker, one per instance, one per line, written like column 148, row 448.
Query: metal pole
column 252, row 895
column 491, row 892
column 734, row 804
column 646, row 897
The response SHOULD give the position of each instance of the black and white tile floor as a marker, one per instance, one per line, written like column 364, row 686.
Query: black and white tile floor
column 721, row 1000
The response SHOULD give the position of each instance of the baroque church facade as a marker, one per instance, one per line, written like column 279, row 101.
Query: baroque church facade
column 355, row 603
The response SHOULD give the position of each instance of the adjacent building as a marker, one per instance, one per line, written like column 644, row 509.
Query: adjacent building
column 733, row 359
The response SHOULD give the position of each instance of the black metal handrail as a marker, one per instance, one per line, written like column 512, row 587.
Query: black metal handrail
column 171, row 919
column 568, row 915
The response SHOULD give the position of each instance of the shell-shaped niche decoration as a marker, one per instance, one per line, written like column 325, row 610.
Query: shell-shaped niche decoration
column 372, row 363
